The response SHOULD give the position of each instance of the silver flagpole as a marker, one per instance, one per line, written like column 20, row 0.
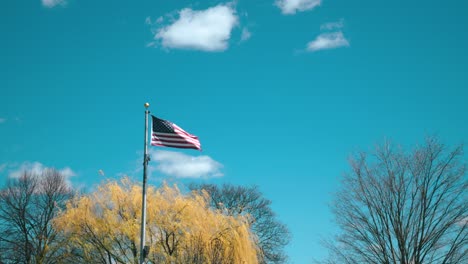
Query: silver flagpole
column 143, row 206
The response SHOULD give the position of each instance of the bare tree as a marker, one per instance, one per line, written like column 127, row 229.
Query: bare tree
column 408, row 208
column 272, row 235
column 27, row 206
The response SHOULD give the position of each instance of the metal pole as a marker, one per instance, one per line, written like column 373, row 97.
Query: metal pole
column 143, row 206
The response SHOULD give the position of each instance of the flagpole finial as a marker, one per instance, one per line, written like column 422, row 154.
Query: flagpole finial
column 146, row 105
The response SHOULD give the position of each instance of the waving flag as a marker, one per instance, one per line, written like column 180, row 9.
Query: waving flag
column 168, row 134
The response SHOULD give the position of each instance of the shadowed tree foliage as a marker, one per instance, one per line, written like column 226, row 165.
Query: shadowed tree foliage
column 27, row 206
column 405, row 208
column 104, row 227
column 272, row 235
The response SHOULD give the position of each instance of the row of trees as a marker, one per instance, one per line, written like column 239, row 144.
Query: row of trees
column 394, row 206
column 42, row 220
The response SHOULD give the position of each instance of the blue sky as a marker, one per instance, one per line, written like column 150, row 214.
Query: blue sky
column 280, row 93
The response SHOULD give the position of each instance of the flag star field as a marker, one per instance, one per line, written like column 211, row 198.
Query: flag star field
column 280, row 93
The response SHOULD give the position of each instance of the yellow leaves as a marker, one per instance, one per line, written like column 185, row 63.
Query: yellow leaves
column 180, row 228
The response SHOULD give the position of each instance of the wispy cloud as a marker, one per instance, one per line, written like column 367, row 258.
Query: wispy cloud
column 181, row 165
column 328, row 41
column 290, row 7
column 246, row 34
column 2, row 120
column 205, row 30
column 148, row 21
column 53, row 3
column 332, row 39
column 16, row 170
column 333, row 25
column 2, row 167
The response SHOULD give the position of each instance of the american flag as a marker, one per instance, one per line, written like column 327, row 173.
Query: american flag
column 168, row 134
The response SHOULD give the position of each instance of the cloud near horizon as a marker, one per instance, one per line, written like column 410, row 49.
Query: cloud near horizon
column 290, row 7
column 53, row 3
column 16, row 170
column 205, row 30
column 181, row 165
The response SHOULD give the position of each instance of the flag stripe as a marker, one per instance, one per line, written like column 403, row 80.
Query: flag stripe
column 175, row 138
column 177, row 128
column 184, row 147
column 175, row 141
column 171, row 134
column 169, row 142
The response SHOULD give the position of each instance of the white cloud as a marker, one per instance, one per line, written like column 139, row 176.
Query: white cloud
column 332, row 25
column 289, row 7
column 328, row 41
column 206, row 30
column 184, row 166
column 37, row 168
column 245, row 34
column 53, row 3
column 2, row 120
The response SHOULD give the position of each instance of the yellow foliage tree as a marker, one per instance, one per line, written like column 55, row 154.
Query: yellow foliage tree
column 104, row 227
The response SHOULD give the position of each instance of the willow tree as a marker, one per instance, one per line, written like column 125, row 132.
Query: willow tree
column 403, row 207
column 103, row 227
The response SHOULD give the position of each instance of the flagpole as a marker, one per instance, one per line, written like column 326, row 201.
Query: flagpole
column 143, row 206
